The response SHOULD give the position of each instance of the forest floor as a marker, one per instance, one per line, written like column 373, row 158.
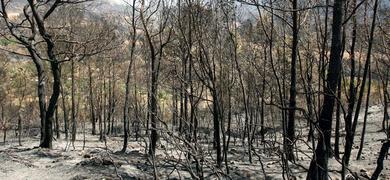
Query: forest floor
column 103, row 161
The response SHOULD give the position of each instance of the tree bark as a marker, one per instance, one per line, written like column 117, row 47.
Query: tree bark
column 127, row 93
column 293, row 91
column 19, row 129
column 57, row 127
column 319, row 164
column 382, row 154
column 365, row 116
column 153, row 107
column 74, row 128
column 41, row 89
column 351, row 131
column 337, row 128
column 92, row 106
column 48, row 136
column 216, row 120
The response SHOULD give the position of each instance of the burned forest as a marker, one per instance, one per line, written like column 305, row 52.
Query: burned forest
column 194, row 89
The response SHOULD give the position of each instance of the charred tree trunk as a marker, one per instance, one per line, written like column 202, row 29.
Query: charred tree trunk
column 385, row 121
column 155, row 55
column 19, row 129
column 365, row 116
column 104, row 105
column 153, row 107
column 382, row 154
column 351, row 134
column 73, row 103
column 41, row 95
column 293, row 91
column 174, row 104
column 91, row 103
column 228, row 130
column 48, row 136
column 127, row 93
column 319, row 164
column 126, row 111
column 216, row 123
column 109, row 99
column 100, row 109
column 262, row 115
column 41, row 89
column 113, row 102
column 337, row 128
column 55, row 69
column 352, row 96
column 57, row 127
column 64, row 109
